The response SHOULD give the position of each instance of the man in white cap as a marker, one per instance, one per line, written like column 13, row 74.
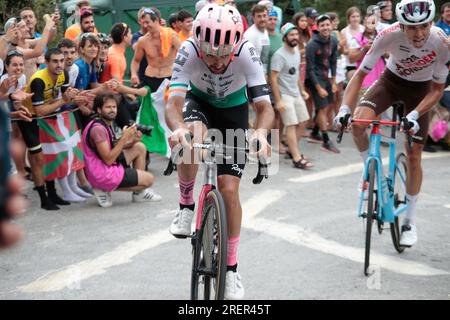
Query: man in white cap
column 288, row 90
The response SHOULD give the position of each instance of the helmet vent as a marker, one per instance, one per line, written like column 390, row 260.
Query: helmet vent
column 217, row 38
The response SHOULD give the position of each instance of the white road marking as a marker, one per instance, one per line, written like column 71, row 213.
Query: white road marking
column 302, row 237
column 353, row 168
column 260, row 202
column 447, row 206
column 72, row 275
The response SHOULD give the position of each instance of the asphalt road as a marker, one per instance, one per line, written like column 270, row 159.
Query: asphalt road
column 301, row 239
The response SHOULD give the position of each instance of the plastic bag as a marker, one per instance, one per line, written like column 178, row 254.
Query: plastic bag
column 439, row 123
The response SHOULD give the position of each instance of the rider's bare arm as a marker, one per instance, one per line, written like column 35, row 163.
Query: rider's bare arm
column 264, row 116
column 174, row 113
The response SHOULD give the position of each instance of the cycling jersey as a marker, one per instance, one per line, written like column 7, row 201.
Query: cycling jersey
column 220, row 90
column 44, row 89
column 407, row 62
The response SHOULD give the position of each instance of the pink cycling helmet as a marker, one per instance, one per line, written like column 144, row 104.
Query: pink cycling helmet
column 218, row 30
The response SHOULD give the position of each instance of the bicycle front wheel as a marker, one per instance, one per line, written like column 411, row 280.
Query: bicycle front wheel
column 209, row 261
column 371, row 212
column 399, row 198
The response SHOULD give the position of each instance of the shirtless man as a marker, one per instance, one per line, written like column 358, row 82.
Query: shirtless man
column 31, row 49
column 160, row 46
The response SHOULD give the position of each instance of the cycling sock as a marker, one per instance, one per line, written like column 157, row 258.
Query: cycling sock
column 51, row 191
column 188, row 206
column 42, row 194
column 411, row 210
column 232, row 246
column 186, row 192
column 364, row 155
column 232, row 268
column 325, row 137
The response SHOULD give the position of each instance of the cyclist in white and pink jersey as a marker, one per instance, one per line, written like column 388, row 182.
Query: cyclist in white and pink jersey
column 208, row 90
column 415, row 74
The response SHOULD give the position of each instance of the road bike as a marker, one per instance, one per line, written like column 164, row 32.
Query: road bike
column 385, row 201
column 209, row 240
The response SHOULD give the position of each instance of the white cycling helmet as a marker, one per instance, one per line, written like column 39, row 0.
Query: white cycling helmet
column 415, row 12
column 218, row 30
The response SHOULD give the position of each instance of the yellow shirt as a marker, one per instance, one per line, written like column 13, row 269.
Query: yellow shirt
column 44, row 89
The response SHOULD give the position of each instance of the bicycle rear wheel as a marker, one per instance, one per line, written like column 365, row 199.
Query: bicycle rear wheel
column 371, row 213
column 399, row 199
column 209, row 257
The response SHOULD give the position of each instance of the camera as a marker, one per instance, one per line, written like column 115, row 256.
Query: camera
column 147, row 130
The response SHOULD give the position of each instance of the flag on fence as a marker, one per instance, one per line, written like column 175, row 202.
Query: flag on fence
column 61, row 145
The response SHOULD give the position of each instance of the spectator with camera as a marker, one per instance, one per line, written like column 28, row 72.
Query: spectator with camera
column 109, row 160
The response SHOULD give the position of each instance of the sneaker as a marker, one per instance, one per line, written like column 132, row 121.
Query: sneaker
column 329, row 146
column 104, row 199
column 409, row 235
column 147, row 195
column 234, row 290
column 315, row 138
column 181, row 224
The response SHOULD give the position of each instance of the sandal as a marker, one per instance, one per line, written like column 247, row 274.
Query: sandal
column 302, row 163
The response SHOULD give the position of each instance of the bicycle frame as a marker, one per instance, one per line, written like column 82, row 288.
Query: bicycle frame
column 385, row 185
column 208, row 185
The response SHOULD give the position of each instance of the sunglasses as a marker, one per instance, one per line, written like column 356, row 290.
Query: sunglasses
column 14, row 53
column 86, row 13
column 104, row 38
column 149, row 11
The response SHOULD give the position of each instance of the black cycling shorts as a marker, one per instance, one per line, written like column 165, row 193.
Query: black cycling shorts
column 225, row 120
column 30, row 134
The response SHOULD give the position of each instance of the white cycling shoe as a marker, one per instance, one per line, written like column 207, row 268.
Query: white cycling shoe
column 234, row 290
column 181, row 224
column 408, row 237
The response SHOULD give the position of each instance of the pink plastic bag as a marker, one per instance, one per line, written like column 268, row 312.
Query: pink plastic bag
column 439, row 130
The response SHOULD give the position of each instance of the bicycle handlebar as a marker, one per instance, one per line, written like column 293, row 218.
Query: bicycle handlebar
column 404, row 122
column 263, row 172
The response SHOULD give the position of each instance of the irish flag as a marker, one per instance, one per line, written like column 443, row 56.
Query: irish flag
column 61, row 145
column 151, row 113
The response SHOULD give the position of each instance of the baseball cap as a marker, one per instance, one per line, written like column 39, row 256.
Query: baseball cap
column 311, row 12
column 273, row 13
column 288, row 27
